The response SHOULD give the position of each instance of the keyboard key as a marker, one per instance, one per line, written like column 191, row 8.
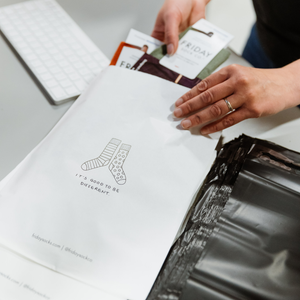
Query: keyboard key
column 51, row 83
column 8, row 11
column 98, row 57
column 17, row 39
column 68, row 52
column 74, row 76
column 46, row 76
column 60, row 76
column 58, row 92
column 89, row 77
column 45, row 57
column 73, row 58
column 84, row 71
column 65, row 34
column 40, row 51
column 26, row 50
column 75, row 46
column 35, row 45
column 80, row 84
column 92, row 65
column 22, row 44
column 44, row 40
column 54, row 69
column 78, row 65
column 63, row 47
column 81, row 52
column 97, row 71
column 31, row 57
column 64, row 64
column 86, row 58
column 65, row 83
column 36, row 63
column 50, row 63
column 41, row 69
column 31, row 39
column 69, row 70
column 53, row 51
column 58, row 57
column 29, row 6
column 72, row 90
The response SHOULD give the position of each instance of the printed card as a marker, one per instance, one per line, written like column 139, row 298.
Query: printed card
column 196, row 49
column 146, row 42
column 128, row 57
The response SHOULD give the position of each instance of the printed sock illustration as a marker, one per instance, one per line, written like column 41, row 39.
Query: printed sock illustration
column 104, row 158
column 116, row 166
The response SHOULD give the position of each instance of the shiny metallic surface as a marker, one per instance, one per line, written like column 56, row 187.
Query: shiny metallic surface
column 228, row 105
column 242, row 240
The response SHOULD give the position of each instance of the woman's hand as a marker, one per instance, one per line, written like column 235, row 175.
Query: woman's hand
column 252, row 93
column 174, row 17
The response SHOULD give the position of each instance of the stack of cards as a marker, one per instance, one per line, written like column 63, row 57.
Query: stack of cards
column 201, row 50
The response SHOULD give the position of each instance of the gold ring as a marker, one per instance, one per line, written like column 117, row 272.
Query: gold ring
column 228, row 105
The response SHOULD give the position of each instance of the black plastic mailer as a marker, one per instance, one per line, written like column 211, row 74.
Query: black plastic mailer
column 242, row 240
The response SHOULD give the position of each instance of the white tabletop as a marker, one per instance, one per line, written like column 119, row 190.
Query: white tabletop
column 26, row 116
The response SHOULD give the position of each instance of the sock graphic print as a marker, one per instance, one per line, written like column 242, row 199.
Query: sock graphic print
column 104, row 158
column 116, row 166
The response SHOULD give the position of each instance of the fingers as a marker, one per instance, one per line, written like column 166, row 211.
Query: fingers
column 205, row 85
column 159, row 28
column 157, row 34
column 213, row 112
column 166, row 29
column 204, row 99
column 229, row 120
column 172, row 23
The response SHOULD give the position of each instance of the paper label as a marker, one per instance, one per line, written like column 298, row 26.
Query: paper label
column 128, row 57
column 196, row 49
column 146, row 42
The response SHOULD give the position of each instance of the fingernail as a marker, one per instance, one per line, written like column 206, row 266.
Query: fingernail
column 179, row 102
column 204, row 131
column 202, row 86
column 177, row 112
column 186, row 124
column 170, row 49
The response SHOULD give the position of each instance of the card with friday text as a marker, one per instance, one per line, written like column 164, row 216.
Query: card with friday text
column 196, row 49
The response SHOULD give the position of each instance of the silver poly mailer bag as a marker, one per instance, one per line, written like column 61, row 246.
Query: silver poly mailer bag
column 102, row 197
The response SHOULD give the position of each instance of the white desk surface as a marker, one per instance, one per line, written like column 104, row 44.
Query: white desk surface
column 26, row 116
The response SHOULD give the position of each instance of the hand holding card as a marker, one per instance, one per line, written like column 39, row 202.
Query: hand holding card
column 196, row 49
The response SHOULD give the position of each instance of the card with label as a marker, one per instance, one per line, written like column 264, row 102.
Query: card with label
column 128, row 57
column 196, row 49
column 150, row 65
column 146, row 42
column 117, row 54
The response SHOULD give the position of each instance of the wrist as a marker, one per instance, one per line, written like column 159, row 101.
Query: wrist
column 291, row 73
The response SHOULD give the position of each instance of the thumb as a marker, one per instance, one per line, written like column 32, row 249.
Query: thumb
column 172, row 22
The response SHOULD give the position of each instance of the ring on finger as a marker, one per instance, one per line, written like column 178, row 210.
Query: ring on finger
column 228, row 104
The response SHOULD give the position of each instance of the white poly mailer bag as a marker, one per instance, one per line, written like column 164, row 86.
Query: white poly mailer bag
column 102, row 197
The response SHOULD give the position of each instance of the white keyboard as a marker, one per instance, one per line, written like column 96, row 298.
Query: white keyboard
column 57, row 51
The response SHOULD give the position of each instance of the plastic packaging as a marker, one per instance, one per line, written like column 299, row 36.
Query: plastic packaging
column 242, row 240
